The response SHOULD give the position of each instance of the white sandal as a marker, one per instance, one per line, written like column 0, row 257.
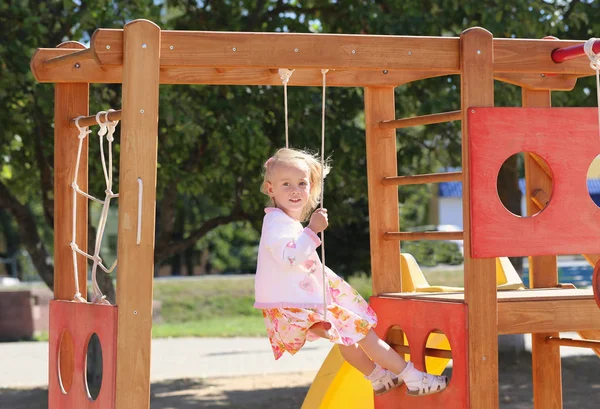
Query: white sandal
column 430, row 384
column 386, row 383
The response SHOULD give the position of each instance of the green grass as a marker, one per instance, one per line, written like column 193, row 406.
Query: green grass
column 222, row 306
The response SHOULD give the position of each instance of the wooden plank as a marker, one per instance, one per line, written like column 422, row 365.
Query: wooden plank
column 422, row 179
column 70, row 100
column 545, row 294
column 424, row 235
column 89, row 70
column 539, row 81
column 570, row 342
column 335, row 51
column 543, row 272
column 383, row 200
column 567, row 140
column 591, row 335
column 139, row 141
column 548, row 317
column 421, row 120
column 290, row 50
column 477, row 90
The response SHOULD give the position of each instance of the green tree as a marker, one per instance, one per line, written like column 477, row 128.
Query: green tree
column 214, row 140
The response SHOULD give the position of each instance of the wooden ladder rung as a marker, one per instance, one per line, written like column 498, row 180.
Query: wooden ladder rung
column 422, row 179
column 91, row 120
column 569, row 342
column 426, row 235
column 421, row 120
column 432, row 352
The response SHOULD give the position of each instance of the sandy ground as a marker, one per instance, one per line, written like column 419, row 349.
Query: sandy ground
column 581, row 389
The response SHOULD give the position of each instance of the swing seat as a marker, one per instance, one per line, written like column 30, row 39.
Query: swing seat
column 321, row 329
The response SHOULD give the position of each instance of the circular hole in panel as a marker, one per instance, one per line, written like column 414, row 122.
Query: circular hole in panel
column 93, row 367
column 510, row 184
column 397, row 339
column 438, row 354
column 66, row 362
column 593, row 180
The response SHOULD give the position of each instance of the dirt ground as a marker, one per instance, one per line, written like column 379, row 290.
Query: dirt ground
column 581, row 389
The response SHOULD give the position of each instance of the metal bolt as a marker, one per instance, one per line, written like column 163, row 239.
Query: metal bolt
column 234, row 49
column 543, row 75
column 483, row 358
column 171, row 47
column 134, row 312
column 472, row 111
column 410, row 53
column 144, row 45
column 385, row 71
column 141, row 111
column 295, row 50
column 478, row 51
column 353, row 51
column 107, row 47
column 77, row 65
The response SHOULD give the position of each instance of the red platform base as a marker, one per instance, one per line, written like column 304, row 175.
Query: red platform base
column 418, row 318
column 67, row 388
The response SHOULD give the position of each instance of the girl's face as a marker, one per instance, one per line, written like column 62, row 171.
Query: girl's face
column 290, row 187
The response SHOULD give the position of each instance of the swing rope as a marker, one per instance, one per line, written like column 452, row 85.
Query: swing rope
column 324, row 73
column 285, row 75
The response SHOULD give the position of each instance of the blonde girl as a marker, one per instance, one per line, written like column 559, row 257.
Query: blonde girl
column 289, row 281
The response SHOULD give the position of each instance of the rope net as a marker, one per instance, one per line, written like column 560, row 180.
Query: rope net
column 107, row 129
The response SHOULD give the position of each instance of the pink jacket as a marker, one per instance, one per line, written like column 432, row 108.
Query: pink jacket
column 289, row 271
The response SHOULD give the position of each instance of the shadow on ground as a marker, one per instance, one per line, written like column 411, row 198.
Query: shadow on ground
column 581, row 389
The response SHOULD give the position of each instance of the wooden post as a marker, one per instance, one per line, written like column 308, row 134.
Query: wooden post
column 543, row 272
column 383, row 200
column 70, row 101
column 139, row 140
column 477, row 90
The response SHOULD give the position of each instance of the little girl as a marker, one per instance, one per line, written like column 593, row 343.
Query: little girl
column 289, row 282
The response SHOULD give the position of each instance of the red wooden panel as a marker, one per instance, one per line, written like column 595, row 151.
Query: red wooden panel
column 418, row 318
column 567, row 139
column 82, row 320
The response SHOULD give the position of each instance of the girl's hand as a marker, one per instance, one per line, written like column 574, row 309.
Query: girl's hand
column 318, row 221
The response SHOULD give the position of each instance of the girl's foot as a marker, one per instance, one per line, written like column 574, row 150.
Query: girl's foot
column 383, row 380
column 420, row 383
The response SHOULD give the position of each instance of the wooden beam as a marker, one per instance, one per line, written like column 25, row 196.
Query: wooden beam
column 335, row 51
column 383, row 200
column 70, row 58
column 137, row 209
column 543, row 272
column 477, row 56
column 539, row 82
column 89, row 70
column 548, row 317
column 422, row 179
column 425, row 235
column 577, row 343
column 421, row 120
column 69, row 100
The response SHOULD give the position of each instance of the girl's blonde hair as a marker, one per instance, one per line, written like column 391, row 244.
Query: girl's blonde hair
column 315, row 168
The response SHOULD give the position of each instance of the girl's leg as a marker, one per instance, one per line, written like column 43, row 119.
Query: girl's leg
column 356, row 357
column 382, row 353
column 418, row 383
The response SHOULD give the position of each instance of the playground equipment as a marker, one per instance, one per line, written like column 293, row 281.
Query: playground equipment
column 141, row 57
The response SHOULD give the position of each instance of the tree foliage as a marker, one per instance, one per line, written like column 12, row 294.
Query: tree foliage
column 213, row 140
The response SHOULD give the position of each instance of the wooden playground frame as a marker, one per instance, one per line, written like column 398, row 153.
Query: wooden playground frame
column 141, row 57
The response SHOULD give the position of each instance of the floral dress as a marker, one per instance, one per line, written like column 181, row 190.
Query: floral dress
column 349, row 314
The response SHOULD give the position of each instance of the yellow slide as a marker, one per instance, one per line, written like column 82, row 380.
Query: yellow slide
column 339, row 386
